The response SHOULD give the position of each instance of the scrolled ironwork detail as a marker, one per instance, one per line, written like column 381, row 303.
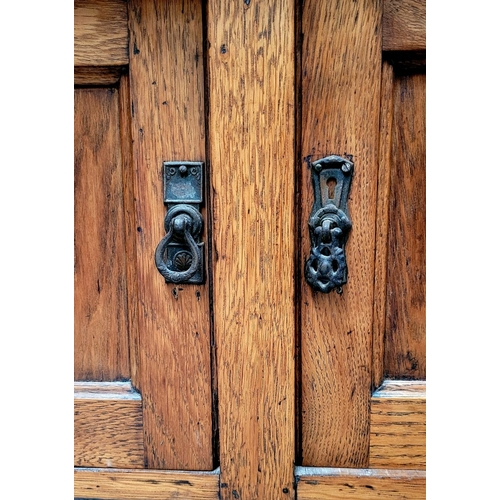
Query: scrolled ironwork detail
column 329, row 224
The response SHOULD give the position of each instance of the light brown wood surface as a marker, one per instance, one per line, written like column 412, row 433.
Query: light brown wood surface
column 405, row 344
column 341, row 72
column 397, row 431
column 382, row 221
column 360, row 484
column 100, row 33
column 251, row 134
column 242, row 106
column 122, row 484
column 108, row 425
column 130, row 224
column 102, row 76
column 168, row 123
column 100, row 318
column 404, row 25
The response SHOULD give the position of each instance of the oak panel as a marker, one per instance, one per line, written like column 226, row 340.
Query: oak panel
column 100, row 33
column 397, row 432
column 360, row 484
column 251, row 137
column 405, row 347
column 100, row 318
column 404, row 25
column 108, row 484
column 108, row 425
column 168, row 123
column 341, row 73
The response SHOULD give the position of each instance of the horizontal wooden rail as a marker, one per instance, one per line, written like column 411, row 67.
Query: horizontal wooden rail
column 110, row 484
column 98, row 75
column 108, row 425
column 322, row 483
column 101, row 33
column 397, row 431
column 403, row 25
column 313, row 483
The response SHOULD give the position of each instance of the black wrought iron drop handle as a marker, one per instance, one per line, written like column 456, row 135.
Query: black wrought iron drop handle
column 329, row 224
column 179, row 255
column 179, row 228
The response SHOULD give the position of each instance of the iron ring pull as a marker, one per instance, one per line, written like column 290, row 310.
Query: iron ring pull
column 179, row 226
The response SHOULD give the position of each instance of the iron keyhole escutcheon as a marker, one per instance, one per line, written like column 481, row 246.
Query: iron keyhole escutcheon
column 329, row 224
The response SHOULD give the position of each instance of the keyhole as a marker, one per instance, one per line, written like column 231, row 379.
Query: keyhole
column 331, row 183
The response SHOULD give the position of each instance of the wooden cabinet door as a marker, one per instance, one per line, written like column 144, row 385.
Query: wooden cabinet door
column 142, row 347
column 250, row 385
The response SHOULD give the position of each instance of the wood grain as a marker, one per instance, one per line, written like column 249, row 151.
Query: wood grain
column 100, row 318
column 397, row 432
column 341, row 73
column 108, row 425
column 360, row 484
column 130, row 223
column 382, row 221
column 108, row 484
column 168, row 123
column 404, row 25
column 405, row 348
column 102, row 76
column 251, row 125
column 100, row 33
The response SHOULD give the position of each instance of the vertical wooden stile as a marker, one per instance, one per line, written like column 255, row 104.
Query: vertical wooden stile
column 168, row 123
column 251, row 138
column 341, row 71
column 383, row 196
column 129, row 223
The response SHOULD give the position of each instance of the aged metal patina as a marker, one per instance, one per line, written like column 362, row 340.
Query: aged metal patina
column 179, row 255
column 329, row 224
